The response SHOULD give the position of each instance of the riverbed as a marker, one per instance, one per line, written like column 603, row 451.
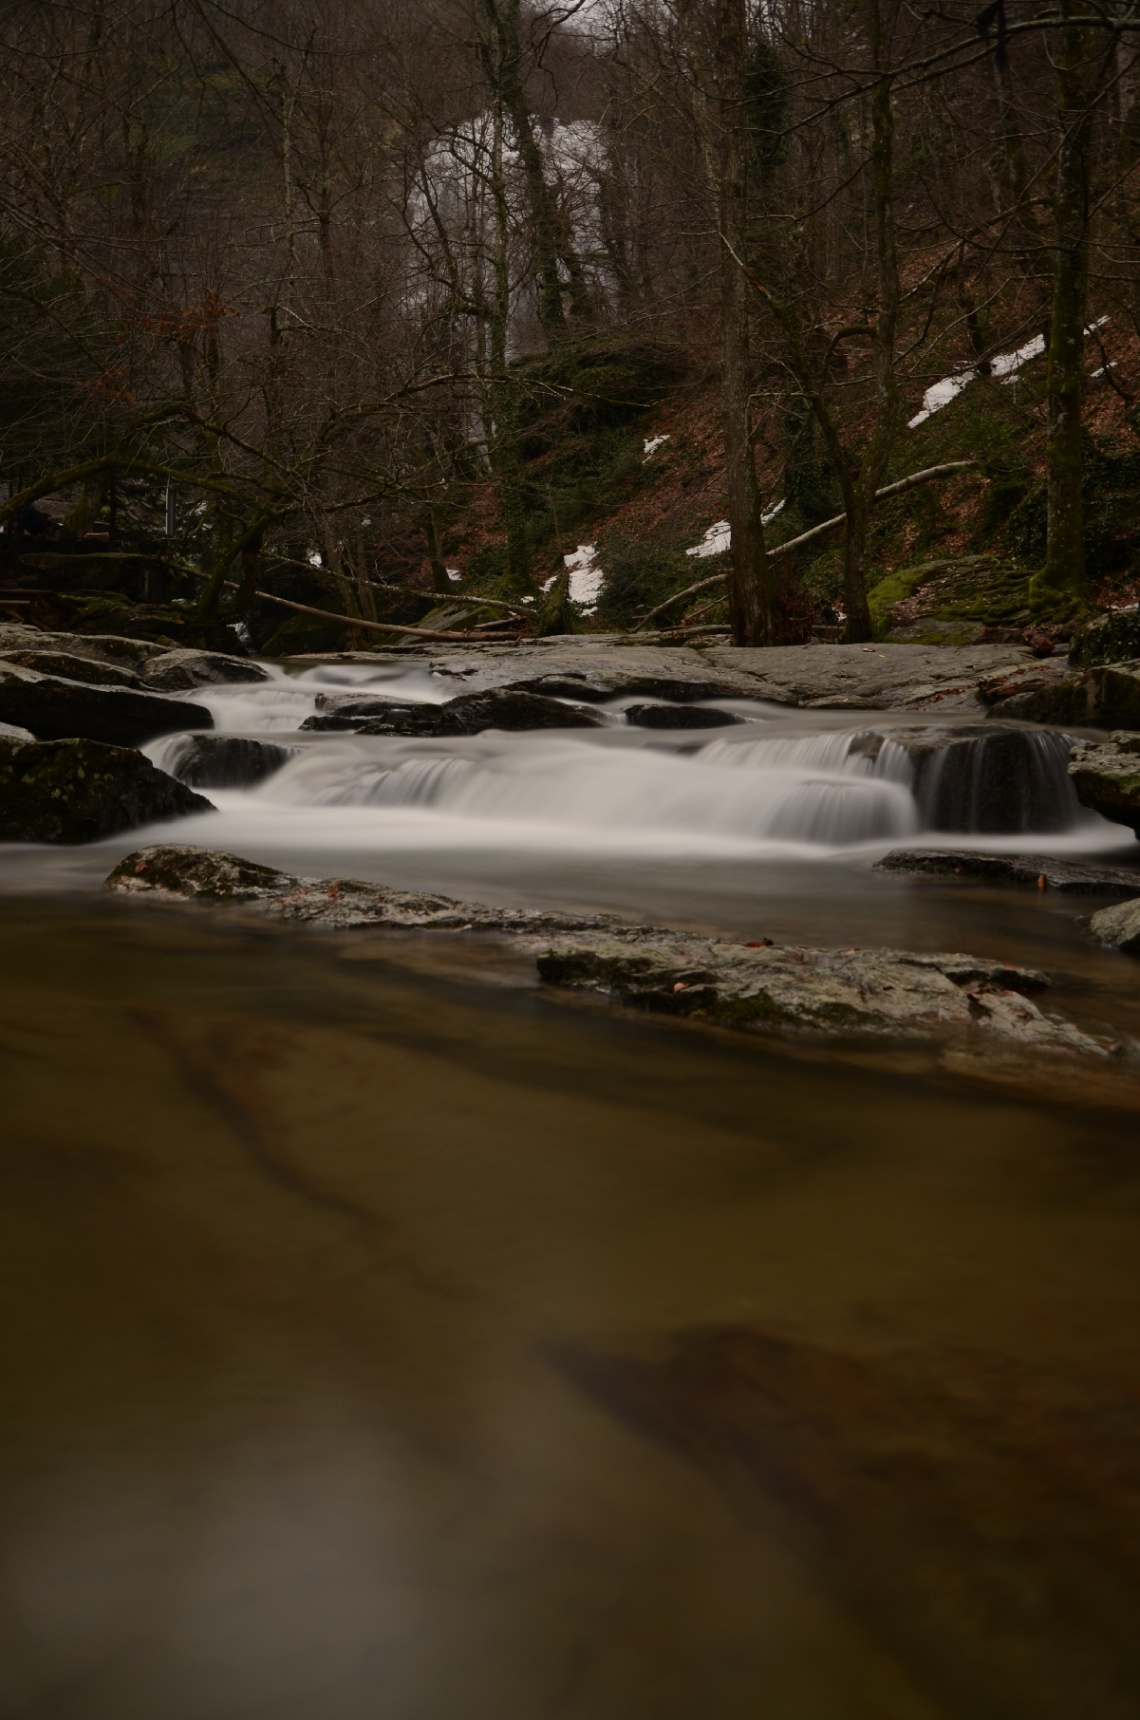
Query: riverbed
column 392, row 1335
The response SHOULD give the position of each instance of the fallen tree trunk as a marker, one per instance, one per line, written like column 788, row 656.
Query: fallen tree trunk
column 896, row 489
column 374, row 626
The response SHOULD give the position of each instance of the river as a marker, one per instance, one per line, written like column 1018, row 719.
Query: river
column 389, row 1335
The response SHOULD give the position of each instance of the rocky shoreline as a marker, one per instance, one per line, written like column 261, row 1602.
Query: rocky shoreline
column 756, row 987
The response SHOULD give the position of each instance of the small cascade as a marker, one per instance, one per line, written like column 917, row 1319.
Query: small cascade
column 1004, row 782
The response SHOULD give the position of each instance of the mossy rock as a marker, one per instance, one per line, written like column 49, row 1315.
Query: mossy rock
column 1111, row 638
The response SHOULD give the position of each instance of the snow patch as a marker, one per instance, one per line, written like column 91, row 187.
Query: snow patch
column 716, row 540
column 652, row 443
column 585, row 577
column 1005, row 367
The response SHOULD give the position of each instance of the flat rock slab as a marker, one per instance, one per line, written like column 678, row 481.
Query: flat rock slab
column 1039, row 871
column 812, row 677
column 182, row 874
column 180, row 671
column 758, row 988
column 73, row 668
column 95, row 647
column 57, row 709
column 75, row 791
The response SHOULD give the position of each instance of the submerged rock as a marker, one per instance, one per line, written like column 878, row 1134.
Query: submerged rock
column 877, row 992
column 226, row 761
column 1106, row 776
column 190, row 874
column 182, row 670
column 57, row 709
column 1037, row 870
column 1119, row 927
column 79, row 790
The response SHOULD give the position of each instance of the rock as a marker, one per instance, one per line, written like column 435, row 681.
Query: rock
column 54, row 709
column 595, row 688
column 95, row 647
column 182, row 670
column 10, row 732
column 80, row 790
column 469, row 714
column 1038, row 871
column 1111, row 638
column 1118, row 927
column 1104, row 697
column 226, row 761
column 678, row 717
column 73, row 668
column 1106, row 776
column 189, row 874
column 862, row 992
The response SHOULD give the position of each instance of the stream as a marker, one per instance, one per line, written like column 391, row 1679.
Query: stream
column 388, row 1335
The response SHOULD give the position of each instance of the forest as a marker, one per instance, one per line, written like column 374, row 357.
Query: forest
column 325, row 323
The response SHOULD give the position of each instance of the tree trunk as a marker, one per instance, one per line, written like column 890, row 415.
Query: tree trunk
column 749, row 598
column 1064, row 570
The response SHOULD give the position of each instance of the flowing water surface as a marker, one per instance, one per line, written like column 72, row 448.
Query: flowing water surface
column 387, row 1336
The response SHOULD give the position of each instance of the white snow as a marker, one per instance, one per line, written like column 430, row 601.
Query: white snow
column 585, row 577
column 652, row 443
column 716, row 540
column 453, row 573
column 1005, row 367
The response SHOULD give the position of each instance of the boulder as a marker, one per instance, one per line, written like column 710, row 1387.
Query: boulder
column 199, row 874
column 1038, row 871
column 1106, row 776
column 73, row 668
column 225, row 761
column 80, row 790
column 372, row 716
column 758, row 988
column 182, row 670
column 1118, row 927
column 54, row 709
column 678, row 717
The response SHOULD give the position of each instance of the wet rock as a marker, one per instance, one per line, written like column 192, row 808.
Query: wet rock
column 1106, row 776
column 227, row 761
column 54, row 709
column 73, row 668
column 73, row 791
column 187, row 874
column 678, row 717
column 182, row 670
column 882, row 993
column 1118, row 927
column 1038, row 871
column 469, row 714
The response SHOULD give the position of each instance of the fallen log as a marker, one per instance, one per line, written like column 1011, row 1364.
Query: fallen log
column 378, row 626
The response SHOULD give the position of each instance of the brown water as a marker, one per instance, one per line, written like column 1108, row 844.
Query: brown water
column 384, row 1343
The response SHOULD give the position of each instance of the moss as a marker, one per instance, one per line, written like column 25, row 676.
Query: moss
column 1113, row 638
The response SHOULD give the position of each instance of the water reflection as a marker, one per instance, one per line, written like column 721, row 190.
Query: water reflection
column 295, row 1251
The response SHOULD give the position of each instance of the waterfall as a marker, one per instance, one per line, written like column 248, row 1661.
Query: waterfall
column 1003, row 782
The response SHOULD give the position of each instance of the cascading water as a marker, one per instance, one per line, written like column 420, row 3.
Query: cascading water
column 781, row 783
